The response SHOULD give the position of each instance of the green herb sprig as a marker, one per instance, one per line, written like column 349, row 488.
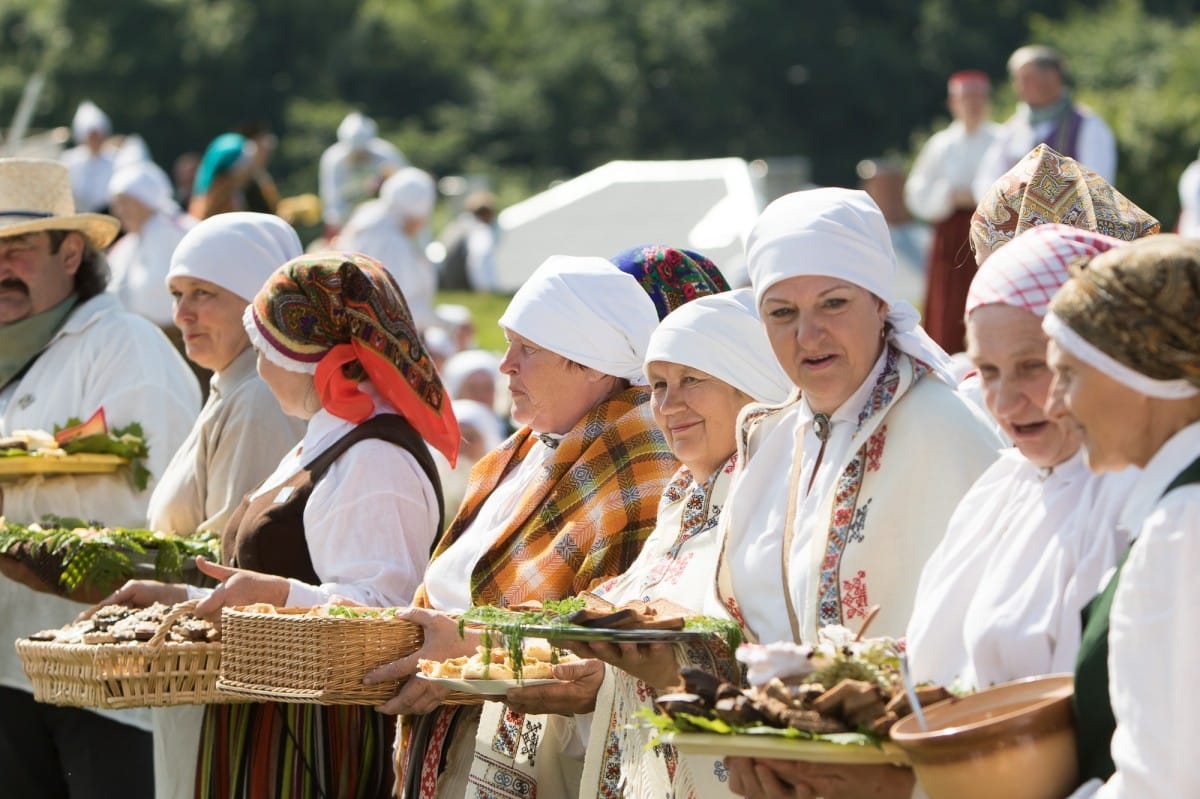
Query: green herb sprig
column 127, row 442
column 93, row 555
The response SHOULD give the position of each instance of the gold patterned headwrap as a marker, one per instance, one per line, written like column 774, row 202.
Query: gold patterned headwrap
column 1139, row 307
column 1046, row 187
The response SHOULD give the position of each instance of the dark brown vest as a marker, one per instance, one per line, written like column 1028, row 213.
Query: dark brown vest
column 266, row 533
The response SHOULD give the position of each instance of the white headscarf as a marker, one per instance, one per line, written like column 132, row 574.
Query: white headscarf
column 482, row 418
column 147, row 183
column 89, row 117
column 838, row 233
column 461, row 365
column 356, row 130
column 409, row 193
column 588, row 311
column 721, row 334
column 237, row 251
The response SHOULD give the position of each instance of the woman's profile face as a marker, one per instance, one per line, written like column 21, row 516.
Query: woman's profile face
column 697, row 414
column 1113, row 419
column 209, row 318
column 295, row 391
column 1008, row 348
column 549, row 393
column 826, row 333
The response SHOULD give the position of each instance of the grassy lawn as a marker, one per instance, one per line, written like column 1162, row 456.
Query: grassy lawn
column 487, row 309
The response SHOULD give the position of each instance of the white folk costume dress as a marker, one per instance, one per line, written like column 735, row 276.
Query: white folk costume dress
column 676, row 563
column 894, row 467
column 1152, row 642
column 1025, row 550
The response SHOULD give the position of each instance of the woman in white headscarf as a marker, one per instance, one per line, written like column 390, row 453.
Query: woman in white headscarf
column 140, row 196
column 847, row 489
column 566, row 501
column 705, row 362
column 241, row 432
column 388, row 230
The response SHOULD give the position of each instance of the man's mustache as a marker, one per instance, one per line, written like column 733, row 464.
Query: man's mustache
column 13, row 284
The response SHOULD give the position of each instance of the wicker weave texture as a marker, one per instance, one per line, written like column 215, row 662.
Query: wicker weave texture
column 289, row 656
column 110, row 676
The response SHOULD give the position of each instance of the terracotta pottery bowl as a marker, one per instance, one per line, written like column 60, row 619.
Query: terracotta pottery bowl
column 1010, row 740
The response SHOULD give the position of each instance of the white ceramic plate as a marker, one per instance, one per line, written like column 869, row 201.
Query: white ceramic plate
column 484, row 687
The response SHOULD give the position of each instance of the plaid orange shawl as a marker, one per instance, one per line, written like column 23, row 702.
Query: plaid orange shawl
column 585, row 520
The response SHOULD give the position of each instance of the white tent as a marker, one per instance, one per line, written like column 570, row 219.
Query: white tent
column 708, row 206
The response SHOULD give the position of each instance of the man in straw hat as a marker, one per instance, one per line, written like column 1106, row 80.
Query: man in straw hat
column 68, row 349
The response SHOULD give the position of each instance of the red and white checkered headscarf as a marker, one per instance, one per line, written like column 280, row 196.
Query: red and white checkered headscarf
column 1029, row 270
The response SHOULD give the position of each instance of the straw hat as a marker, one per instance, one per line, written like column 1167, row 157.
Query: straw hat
column 35, row 195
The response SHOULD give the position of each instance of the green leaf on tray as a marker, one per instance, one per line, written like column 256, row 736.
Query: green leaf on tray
column 93, row 555
column 127, row 442
column 687, row 722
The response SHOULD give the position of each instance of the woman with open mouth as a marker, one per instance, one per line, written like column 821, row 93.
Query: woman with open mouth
column 848, row 488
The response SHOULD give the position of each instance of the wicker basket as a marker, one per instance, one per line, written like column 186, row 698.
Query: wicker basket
column 290, row 656
column 110, row 676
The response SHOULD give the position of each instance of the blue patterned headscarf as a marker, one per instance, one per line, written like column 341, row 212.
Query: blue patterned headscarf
column 671, row 277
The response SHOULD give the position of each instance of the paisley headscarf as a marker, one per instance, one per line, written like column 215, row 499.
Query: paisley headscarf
column 1132, row 313
column 671, row 277
column 340, row 316
column 1046, row 186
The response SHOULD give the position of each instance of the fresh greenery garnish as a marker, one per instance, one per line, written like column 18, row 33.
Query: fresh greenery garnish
column 127, row 442
column 729, row 629
column 687, row 722
column 93, row 555
column 507, row 627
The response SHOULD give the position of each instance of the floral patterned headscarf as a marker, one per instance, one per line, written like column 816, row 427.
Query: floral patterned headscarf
column 671, row 277
column 1046, row 187
column 340, row 316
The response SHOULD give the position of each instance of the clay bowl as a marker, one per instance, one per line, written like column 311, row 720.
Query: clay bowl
column 1014, row 739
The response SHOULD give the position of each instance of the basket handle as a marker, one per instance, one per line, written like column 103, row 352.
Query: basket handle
column 169, row 620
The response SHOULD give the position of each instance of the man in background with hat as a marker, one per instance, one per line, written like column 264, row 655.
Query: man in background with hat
column 1047, row 114
column 938, row 190
column 68, row 349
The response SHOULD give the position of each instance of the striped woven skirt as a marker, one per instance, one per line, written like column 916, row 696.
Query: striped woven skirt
column 269, row 750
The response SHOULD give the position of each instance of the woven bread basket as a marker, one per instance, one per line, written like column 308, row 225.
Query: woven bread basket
column 291, row 656
column 156, row 673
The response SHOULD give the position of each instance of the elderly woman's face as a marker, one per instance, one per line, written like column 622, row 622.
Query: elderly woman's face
column 826, row 334
column 697, row 413
column 1008, row 348
column 549, row 393
column 209, row 318
column 1113, row 419
column 295, row 391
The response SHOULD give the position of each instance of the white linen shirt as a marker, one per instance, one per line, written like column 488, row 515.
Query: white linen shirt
column 139, row 263
column 752, row 558
column 375, row 231
column 1096, row 147
column 448, row 579
column 238, row 439
column 370, row 521
column 101, row 357
column 946, row 164
column 345, row 179
column 1153, row 648
column 1001, row 596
